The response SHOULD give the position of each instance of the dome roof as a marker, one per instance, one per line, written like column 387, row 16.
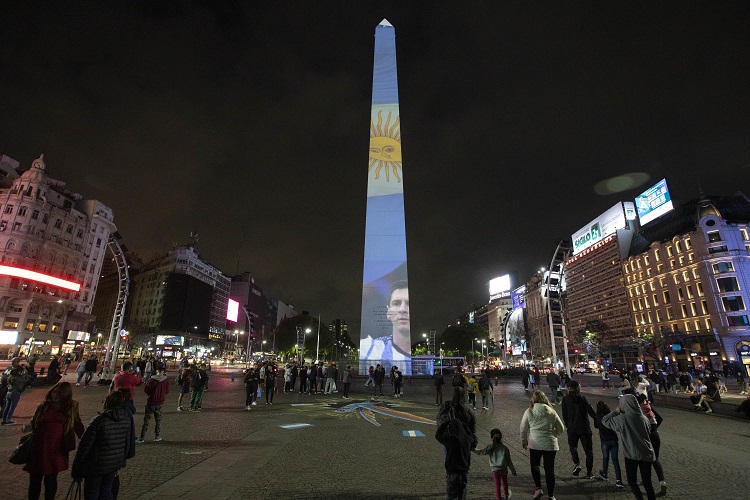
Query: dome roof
column 36, row 173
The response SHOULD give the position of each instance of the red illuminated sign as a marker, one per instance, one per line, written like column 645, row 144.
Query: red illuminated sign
column 41, row 278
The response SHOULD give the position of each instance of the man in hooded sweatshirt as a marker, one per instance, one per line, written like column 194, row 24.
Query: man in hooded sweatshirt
column 157, row 389
column 576, row 411
column 635, row 431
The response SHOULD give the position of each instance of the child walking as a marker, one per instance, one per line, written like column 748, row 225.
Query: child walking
column 610, row 445
column 500, row 462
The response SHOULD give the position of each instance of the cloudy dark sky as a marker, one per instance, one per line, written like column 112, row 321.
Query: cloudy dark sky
column 248, row 123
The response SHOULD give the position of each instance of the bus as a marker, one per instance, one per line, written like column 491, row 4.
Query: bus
column 426, row 365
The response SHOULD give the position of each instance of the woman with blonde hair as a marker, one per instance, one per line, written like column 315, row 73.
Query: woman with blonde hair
column 55, row 424
column 540, row 427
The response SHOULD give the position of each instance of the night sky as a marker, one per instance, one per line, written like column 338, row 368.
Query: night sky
column 248, row 123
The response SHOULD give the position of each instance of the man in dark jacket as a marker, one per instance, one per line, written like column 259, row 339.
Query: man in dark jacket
column 457, row 433
column 378, row 376
column 90, row 368
column 576, row 411
column 553, row 380
column 157, row 389
column 105, row 446
column 439, row 381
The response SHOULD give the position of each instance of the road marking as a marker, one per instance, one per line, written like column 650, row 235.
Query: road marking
column 191, row 452
column 302, row 404
column 413, row 434
column 295, row 426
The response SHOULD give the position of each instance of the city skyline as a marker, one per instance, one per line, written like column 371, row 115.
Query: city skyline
column 246, row 127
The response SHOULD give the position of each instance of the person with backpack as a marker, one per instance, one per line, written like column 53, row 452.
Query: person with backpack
column 439, row 382
column 576, row 411
column 540, row 426
column 459, row 380
column 655, row 421
column 457, row 432
column 471, row 387
column 485, row 388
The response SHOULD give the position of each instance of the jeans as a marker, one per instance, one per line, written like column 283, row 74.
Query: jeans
column 330, row 385
column 500, row 478
column 156, row 412
column 35, row 486
column 610, row 450
column 587, row 449
column 486, row 398
column 553, row 391
column 439, row 394
column 631, row 470
column 98, row 487
column 269, row 393
column 377, row 389
column 80, row 376
column 89, row 376
column 535, row 458
column 456, row 485
column 11, row 400
column 195, row 400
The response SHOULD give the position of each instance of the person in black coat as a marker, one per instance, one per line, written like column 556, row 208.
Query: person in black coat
column 105, row 445
column 576, row 411
column 457, row 431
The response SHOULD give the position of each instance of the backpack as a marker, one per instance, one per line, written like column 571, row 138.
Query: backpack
column 484, row 384
column 453, row 431
column 458, row 380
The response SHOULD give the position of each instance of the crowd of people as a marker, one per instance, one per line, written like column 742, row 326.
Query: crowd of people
column 633, row 424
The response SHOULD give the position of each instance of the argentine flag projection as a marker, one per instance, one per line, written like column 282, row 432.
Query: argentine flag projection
column 385, row 336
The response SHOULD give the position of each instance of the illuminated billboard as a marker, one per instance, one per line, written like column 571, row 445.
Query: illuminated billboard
column 233, row 310
column 500, row 287
column 653, row 202
column 170, row 340
column 517, row 297
column 385, row 334
column 79, row 336
column 599, row 228
column 39, row 277
column 630, row 213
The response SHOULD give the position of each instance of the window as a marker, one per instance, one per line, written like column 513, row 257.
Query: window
column 689, row 291
column 680, row 295
column 699, row 286
column 688, row 244
column 98, row 243
column 693, row 309
column 723, row 267
column 719, row 249
column 708, row 324
column 669, row 252
column 684, row 311
column 8, row 209
column 738, row 320
column 22, row 211
column 713, row 236
column 704, row 307
column 743, row 232
column 663, row 283
column 687, row 326
column 35, row 214
column 733, row 303
column 666, row 297
column 16, row 226
column 45, row 219
column 43, row 326
column 55, row 328
column 697, row 325
column 728, row 284
column 670, row 313
column 10, row 323
column 678, row 247
column 656, row 255
column 645, row 259
column 656, row 301
column 58, row 223
column 79, row 234
column 69, row 229
column 29, row 326
column 658, row 316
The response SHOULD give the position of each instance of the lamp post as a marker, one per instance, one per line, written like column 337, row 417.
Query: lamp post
column 302, row 357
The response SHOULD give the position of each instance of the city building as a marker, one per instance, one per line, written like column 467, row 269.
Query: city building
column 53, row 243
column 180, row 301
column 688, row 283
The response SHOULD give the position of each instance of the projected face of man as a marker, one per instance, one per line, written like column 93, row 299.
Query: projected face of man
column 398, row 311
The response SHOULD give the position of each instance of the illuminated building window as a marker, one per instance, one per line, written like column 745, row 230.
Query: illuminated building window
column 651, row 285
column 723, row 267
column 645, row 259
column 648, row 272
column 682, row 260
column 733, row 303
column 669, row 252
column 676, row 279
column 677, row 247
column 663, row 283
column 688, row 244
column 55, row 328
column 680, row 295
column 687, row 326
column 671, row 263
column 656, row 255
column 693, row 309
column 684, row 311
column 738, row 320
column 658, row 316
column 648, row 314
column 697, row 325
column 666, row 297
column 713, row 236
column 717, row 249
column 22, row 211
column 43, row 326
column 685, row 276
column 656, row 301
column 10, row 323
column 708, row 324
column 704, row 307
column 29, row 326
column 689, row 291
column 690, row 257
column 670, row 313
column 659, row 267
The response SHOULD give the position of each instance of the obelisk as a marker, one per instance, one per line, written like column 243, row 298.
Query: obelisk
column 385, row 330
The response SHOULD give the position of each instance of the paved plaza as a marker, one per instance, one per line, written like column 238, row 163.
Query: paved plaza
column 324, row 446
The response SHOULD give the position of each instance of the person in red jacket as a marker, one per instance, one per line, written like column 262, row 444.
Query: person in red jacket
column 127, row 379
column 157, row 389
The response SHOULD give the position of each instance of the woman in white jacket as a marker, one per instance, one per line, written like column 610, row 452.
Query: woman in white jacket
column 540, row 427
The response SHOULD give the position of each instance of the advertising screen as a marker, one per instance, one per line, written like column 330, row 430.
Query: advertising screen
column 8, row 337
column 385, row 335
column 80, row 336
column 630, row 213
column 498, row 286
column 599, row 228
column 169, row 340
column 517, row 297
column 653, row 202
column 233, row 310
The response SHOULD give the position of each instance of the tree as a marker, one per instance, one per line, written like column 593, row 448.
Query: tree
column 593, row 338
column 139, row 336
column 286, row 336
column 461, row 338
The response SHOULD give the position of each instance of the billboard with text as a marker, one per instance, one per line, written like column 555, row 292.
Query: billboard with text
column 599, row 228
column 653, row 202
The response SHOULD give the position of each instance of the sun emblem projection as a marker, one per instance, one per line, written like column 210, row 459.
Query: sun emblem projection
column 385, row 147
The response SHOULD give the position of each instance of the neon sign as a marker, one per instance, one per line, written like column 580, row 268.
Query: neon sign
column 41, row 278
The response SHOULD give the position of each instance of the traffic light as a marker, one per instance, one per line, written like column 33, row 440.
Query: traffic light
column 575, row 351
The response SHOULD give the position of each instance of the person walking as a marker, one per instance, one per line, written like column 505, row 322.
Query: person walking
column 610, row 445
column 540, row 426
column 251, row 388
column 197, row 385
column 472, row 388
column 457, row 432
column 605, row 379
column 654, row 420
column 378, row 377
column 485, row 388
column 348, row 377
column 157, row 389
column 90, row 368
column 80, row 371
column 104, row 448
column 331, row 375
column 66, row 363
column 439, row 382
column 553, row 380
column 55, row 424
column 270, row 383
column 635, row 430
column 500, row 463
column 576, row 411
column 312, row 375
column 16, row 380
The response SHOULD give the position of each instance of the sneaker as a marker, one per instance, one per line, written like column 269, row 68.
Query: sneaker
column 180, row 408
column 576, row 470
column 538, row 494
column 709, row 411
column 140, row 440
column 589, row 475
column 157, row 439
column 602, row 477
column 618, row 484
column 662, row 488
column 254, row 403
column 510, row 494
column 9, row 422
column 247, row 407
column 77, row 384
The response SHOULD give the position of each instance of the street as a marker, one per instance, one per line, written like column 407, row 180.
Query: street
column 350, row 448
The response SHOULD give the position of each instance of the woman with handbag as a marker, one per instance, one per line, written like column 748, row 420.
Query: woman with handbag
column 55, row 424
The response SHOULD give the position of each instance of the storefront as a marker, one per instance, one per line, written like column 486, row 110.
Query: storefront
column 743, row 355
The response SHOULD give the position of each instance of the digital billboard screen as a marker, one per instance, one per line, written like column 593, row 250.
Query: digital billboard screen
column 599, row 228
column 169, row 340
column 233, row 310
column 653, row 202
column 517, row 297
column 499, row 285
column 80, row 336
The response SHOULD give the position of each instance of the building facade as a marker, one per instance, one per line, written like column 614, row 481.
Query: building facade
column 53, row 243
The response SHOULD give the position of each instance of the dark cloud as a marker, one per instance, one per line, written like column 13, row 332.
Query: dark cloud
column 248, row 123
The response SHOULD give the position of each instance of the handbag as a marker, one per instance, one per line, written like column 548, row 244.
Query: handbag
column 22, row 453
column 74, row 492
